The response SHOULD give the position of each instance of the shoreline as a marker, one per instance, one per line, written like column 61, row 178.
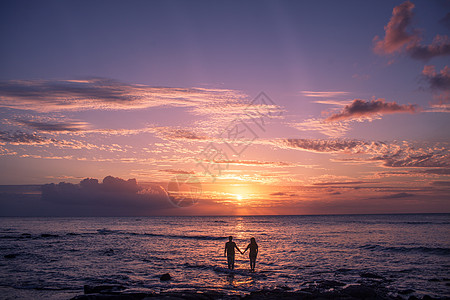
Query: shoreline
column 325, row 289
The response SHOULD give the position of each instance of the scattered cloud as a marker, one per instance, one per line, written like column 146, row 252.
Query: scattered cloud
column 178, row 134
column 323, row 146
column 361, row 108
column 396, row 155
column 20, row 137
column 400, row 37
column 439, row 47
column 437, row 81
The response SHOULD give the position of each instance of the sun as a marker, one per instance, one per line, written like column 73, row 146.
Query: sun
column 239, row 197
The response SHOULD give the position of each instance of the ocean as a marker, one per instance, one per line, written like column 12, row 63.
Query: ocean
column 54, row 258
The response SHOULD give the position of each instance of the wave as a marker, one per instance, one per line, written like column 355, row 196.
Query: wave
column 194, row 237
column 170, row 236
column 429, row 250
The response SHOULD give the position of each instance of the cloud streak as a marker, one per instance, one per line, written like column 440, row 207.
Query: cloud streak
column 105, row 94
column 328, row 94
column 55, row 127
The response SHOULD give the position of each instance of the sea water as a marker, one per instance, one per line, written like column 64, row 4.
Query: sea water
column 55, row 257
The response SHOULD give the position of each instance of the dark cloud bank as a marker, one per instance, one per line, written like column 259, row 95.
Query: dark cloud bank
column 112, row 197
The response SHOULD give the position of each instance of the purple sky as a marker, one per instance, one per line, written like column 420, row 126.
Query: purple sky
column 357, row 122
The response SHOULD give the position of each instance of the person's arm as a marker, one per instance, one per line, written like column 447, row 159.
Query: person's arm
column 246, row 248
column 238, row 249
column 225, row 251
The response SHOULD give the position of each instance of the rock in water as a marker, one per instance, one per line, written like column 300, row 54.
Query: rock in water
column 360, row 292
column 10, row 256
column 89, row 289
column 165, row 277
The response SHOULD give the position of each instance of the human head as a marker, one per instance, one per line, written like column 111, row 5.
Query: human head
column 230, row 238
column 252, row 240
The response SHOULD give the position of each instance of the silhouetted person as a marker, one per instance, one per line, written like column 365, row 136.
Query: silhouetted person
column 253, row 246
column 229, row 252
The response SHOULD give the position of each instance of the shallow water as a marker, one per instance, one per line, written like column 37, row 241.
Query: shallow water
column 55, row 257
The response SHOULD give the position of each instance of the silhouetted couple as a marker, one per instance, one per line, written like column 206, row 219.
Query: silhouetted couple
column 229, row 252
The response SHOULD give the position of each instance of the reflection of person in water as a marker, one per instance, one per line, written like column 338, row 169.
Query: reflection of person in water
column 253, row 246
column 229, row 252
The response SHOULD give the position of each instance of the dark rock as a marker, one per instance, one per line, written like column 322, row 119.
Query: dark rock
column 10, row 255
column 434, row 280
column 109, row 252
column 371, row 275
column 343, row 270
column 48, row 235
column 26, row 235
column 360, row 291
column 327, row 284
column 89, row 289
column 407, row 291
column 277, row 295
column 413, row 298
column 165, row 277
column 426, row 297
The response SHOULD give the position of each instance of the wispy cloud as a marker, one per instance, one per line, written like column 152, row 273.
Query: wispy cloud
column 400, row 37
column 331, row 129
column 105, row 94
column 252, row 163
column 55, row 126
column 326, row 94
column 362, row 108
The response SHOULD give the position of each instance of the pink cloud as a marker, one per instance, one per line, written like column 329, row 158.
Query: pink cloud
column 398, row 39
column 396, row 35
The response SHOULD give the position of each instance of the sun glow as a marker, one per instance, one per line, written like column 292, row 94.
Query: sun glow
column 239, row 197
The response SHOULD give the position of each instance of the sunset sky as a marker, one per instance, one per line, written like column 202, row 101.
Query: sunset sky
column 265, row 107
